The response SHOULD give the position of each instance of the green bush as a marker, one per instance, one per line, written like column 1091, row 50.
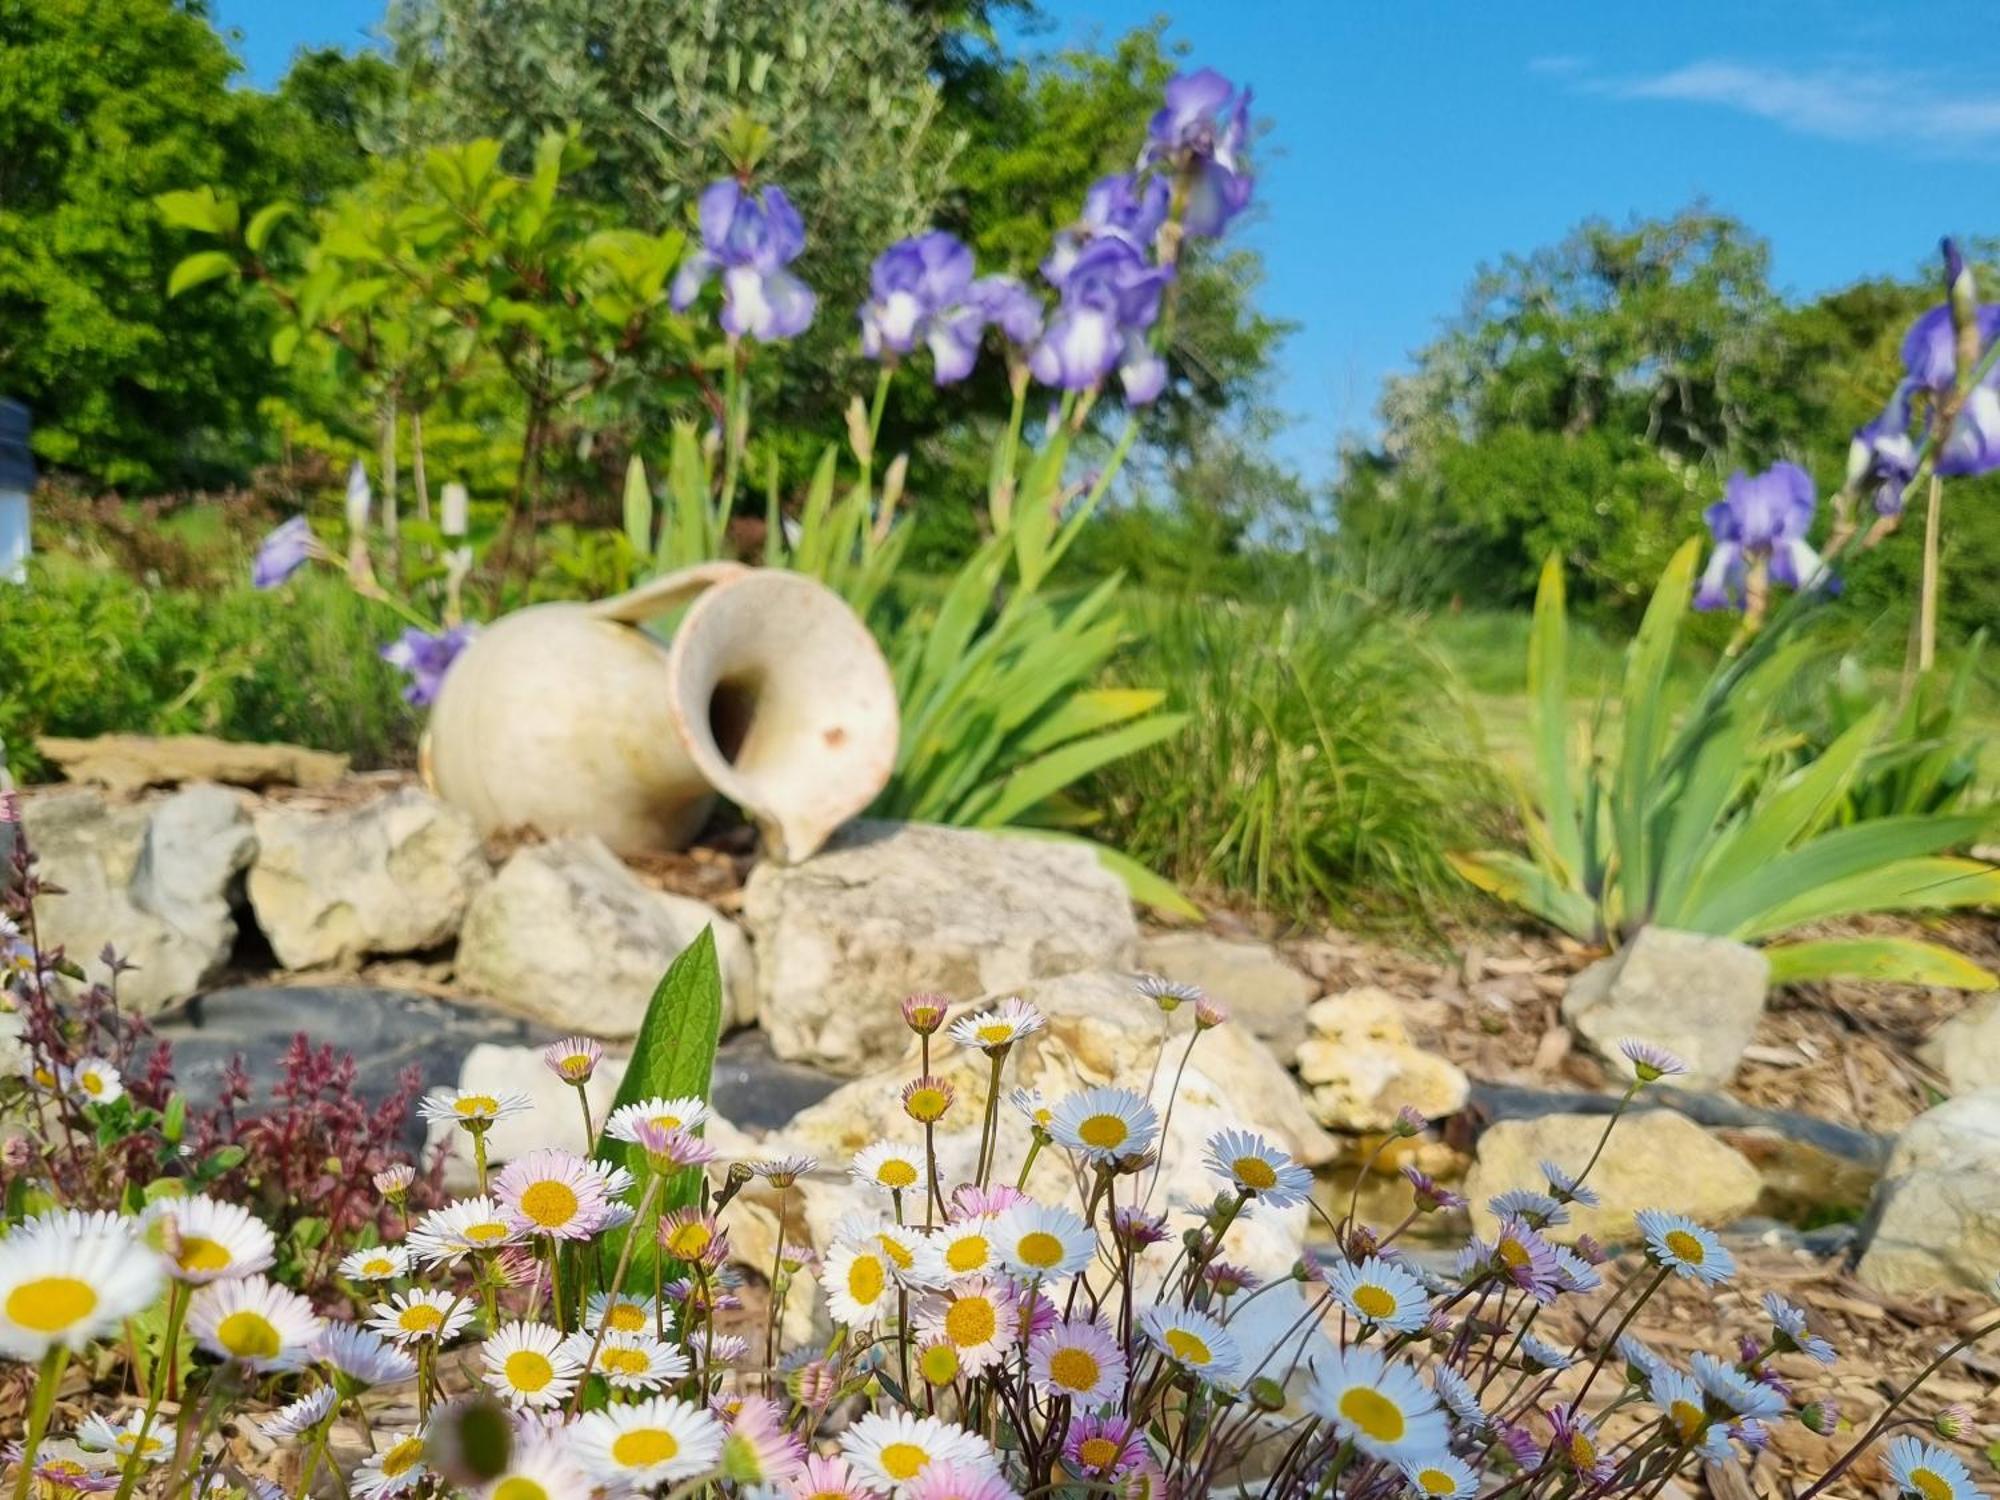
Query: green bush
column 1325, row 766
column 93, row 653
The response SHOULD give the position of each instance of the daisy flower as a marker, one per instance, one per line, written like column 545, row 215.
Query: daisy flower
column 783, row 1171
column 1193, row 1340
column 1928, row 1472
column 629, row 1361
column 893, row 1168
column 361, row 1358
column 394, row 1182
column 1574, row 1273
column 689, row 1234
column 1380, row 1295
column 646, row 1444
column 66, row 1468
column 1459, row 1398
column 1382, row 1407
column 1135, row 1227
column 1032, row 1107
column 573, row 1059
column 756, row 1448
column 826, row 1479
column 1684, row 1247
column 925, row 1013
column 1538, row 1354
column 304, row 1414
column 998, row 1029
column 447, row 1235
column 261, row 1325
column 1537, row 1210
column 552, row 1195
column 682, row 1113
column 1169, row 994
column 1735, row 1390
column 1574, row 1439
column 860, row 1282
column 725, row 1349
column 938, row 1363
column 1079, row 1359
column 538, row 1469
column 969, row 1200
column 970, row 1247
column 926, row 1099
column 1100, row 1446
column 471, row 1109
column 629, row 1314
column 125, row 1438
column 1041, row 1243
column 94, row 1081
column 412, row 1317
column 1439, row 1476
column 888, row 1450
column 948, row 1481
column 1650, row 1063
column 1681, row 1401
column 376, row 1263
column 978, row 1317
column 208, row 1240
column 1523, row 1257
column 1257, row 1169
column 527, row 1366
column 1790, row 1333
column 392, row 1469
column 1566, row 1187
column 71, row 1283
column 1104, row 1124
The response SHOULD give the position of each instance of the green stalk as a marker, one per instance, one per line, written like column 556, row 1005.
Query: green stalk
column 639, row 1220
column 40, row 1404
column 155, row 1387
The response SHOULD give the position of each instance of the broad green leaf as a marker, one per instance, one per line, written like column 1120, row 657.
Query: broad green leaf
column 1887, row 959
column 1522, row 883
column 1645, row 724
column 638, row 508
column 1921, row 884
column 203, row 266
column 262, row 222
column 673, row 1056
column 1150, row 890
column 199, row 208
column 1548, row 701
column 1089, row 711
column 1050, row 773
column 285, row 343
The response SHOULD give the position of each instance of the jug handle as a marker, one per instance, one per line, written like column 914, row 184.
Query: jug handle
column 658, row 596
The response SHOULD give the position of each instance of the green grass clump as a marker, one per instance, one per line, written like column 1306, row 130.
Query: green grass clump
column 1327, row 766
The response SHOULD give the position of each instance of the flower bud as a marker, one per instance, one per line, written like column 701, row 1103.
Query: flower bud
column 1954, row 1422
column 1959, row 285
column 924, row 1014
column 1821, row 1417
column 1209, row 1014
column 1266, row 1394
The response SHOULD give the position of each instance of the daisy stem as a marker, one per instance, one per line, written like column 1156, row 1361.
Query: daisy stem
column 155, row 1387
column 1180, row 1068
column 988, row 1135
column 639, row 1221
column 1034, row 1150
column 556, row 1286
column 1611, row 1343
column 479, row 1155
column 40, row 1404
column 775, row 1300
column 589, row 1126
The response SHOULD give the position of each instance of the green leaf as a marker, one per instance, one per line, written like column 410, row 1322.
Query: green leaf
column 1088, row 711
column 1890, row 960
column 285, row 343
column 1645, row 727
column 638, row 508
column 1918, row 884
column 1522, row 883
column 1548, row 699
column 1048, row 774
column 262, row 222
column 204, row 265
column 1147, row 888
column 199, row 209
column 673, row 1056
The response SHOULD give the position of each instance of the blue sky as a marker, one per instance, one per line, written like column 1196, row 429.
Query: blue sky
column 1413, row 140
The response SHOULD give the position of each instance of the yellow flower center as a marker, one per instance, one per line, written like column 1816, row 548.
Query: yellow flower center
column 1582, row 1451
column 667, row 1122
column 1074, row 1369
column 926, row 1104
column 476, row 1106
column 50, row 1304
column 92, row 1083
column 970, row 1322
column 420, row 1317
column 1513, row 1253
column 485, row 1234
column 381, row 1265
column 896, row 1173
column 993, row 1033
column 403, row 1457
column 1688, row 1419
column 1255, row 1172
column 1436, row 1482
column 1931, row 1485
column 968, row 1254
column 1187, row 1347
column 894, row 1249
column 643, row 1447
column 622, row 1361
column 1097, row 1452
column 514, row 1487
column 626, row 1317
column 865, row 1279
column 1375, row 1302
column 1040, row 1249
column 528, row 1371
column 1686, row 1246
column 688, row 1240
column 1104, row 1132
column 939, row 1364
column 549, row 1204
column 248, row 1335
column 200, row 1255
column 902, row 1461
column 1374, row 1414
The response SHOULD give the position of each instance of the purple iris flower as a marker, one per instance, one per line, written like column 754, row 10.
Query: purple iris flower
column 425, row 657
column 923, row 291
column 281, row 554
column 1201, row 132
column 1110, row 297
column 750, row 238
column 1765, row 516
column 1127, row 207
column 1882, row 455
column 1930, row 357
column 1010, row 307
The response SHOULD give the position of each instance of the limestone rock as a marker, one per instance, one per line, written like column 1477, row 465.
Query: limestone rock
column 152, row 879
column 1264, row 994
column 128, row 762
column 566, row 934
column 1658, row 1158
column 1934, row 1221
column 888, row 909
column 1966, row 1048
column 1698, row 996
column 389, row 876
column 1364, row 1068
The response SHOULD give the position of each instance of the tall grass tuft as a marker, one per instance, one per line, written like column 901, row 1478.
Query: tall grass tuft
column 1327, row 764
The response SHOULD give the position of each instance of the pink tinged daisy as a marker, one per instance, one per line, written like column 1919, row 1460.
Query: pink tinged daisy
column 1678, row 1244
column 860, row 1283
column 71, row 1282
column 449, row 1234
column 527, row 1366
column 668, row 1150
column 1576, row 1445
column 1928, row 1472
column 1078, row 1359
column 421, row 1316
column 998, row 1029
column 1380, row 1295
column 1257, row 1169
column 1041, row 1243
column 681, row 1113
column 376, row 1263
column 629, row 1361
column 361, row 1358
column 1650, row 1063
column 724, row 1349
column 472, row 1109
column 1521, row 1256
column 304, row 1414
column 1100, row 1446
column 394, row 1182
column 756, row 1448
column 688, row 1234
column 1136, row 1228
column 205, row 1239
column 948, row 1481
column 891, row 1168
column 924, row 1014
column 396, row 1467
column 573, row 1059
column 978, row 1317
column 66, row 1468
column 1192, row 1340
column 1103, row 1124
column 887, row 1451
column 1440, row 1476
column 826, row 1479
column 552, row 1195
column 970, row 1201
column 783, row 1171
column 646, row 1444
column 1169, row 994
column 1381, row 1406
column 255, row 1323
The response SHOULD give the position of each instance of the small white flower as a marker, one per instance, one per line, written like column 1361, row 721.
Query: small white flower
column 891, row 1168
column 376, row 1263
column 447, row 1235
column 361, row 1358
column 1000, row 1027
column 1103, row 1124
column 1380, row 1295
column 70, row 1280
column 1253, row 1166
column 1193, row 1340
column 970, row 1247
column 1684, row 1247
column 891, row 1449
column 629, row 1361
column 472, row 1109
column 124, row 1438
column 304, row 1414
column 94, row 1081
column 1040, row 1243
column 860, row 1282
column 393, row 1468
column 686, row 1113
column 418, row 1315
column 646, row 1444
column 212, row 1240
column 1382, row 1407
column 526, row 1365
column 1077, row 1358
column 259, row 1324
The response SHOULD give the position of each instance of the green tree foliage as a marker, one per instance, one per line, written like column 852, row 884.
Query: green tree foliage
column 101, row 107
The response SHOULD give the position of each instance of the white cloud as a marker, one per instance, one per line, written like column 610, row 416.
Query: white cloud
column 1844, row 103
